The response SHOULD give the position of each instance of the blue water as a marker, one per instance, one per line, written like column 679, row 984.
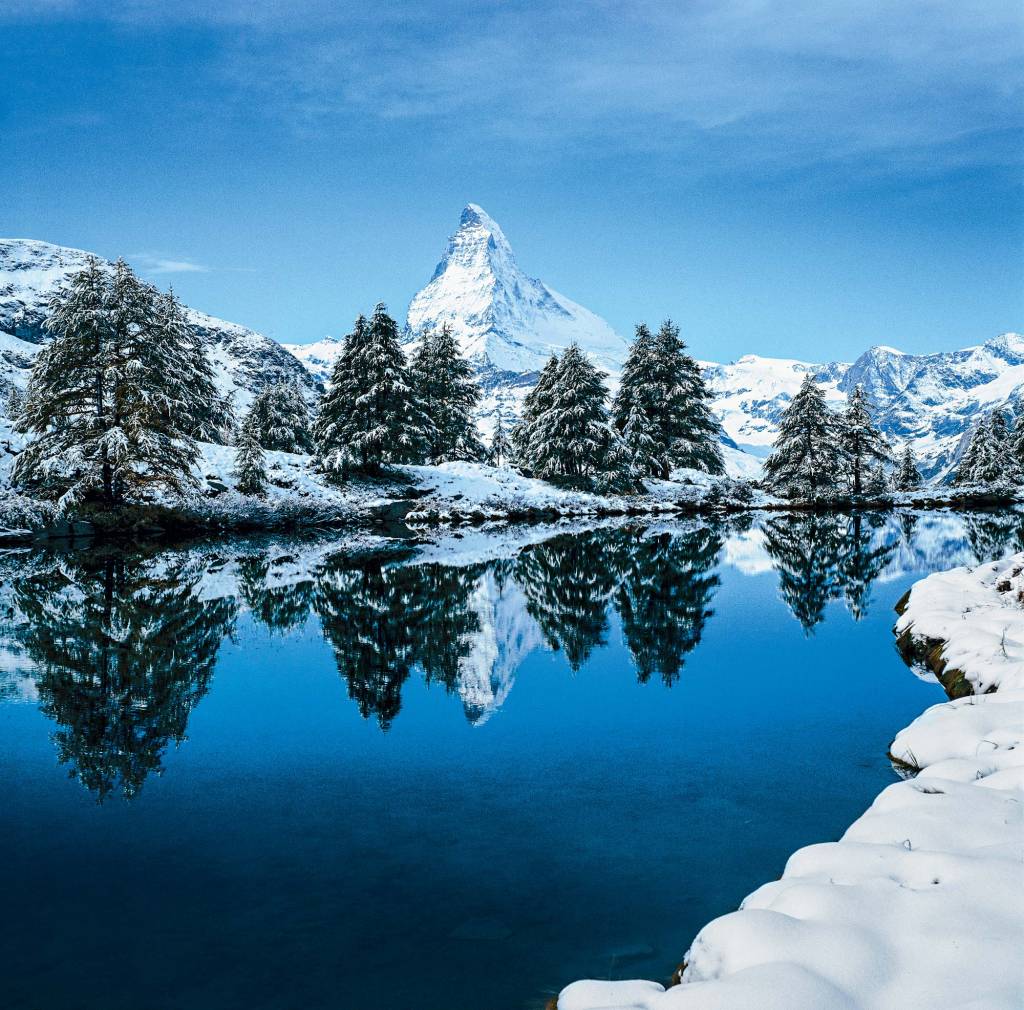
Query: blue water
column 383, row 838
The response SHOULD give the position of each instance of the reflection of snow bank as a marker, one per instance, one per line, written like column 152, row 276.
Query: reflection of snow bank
column 921, row 904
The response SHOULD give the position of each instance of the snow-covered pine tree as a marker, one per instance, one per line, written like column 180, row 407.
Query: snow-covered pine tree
column 160, row 384
column 1017, row 444
column 14, row 406
column 571, row 437
column 112, row 397
column 683, row 419
column 806, row 460
column 335, row 421
column 640, row 446
column 863, row 445
column 501, row 447
column 876, row 480
column 907, row 477
column 371, row 415
column 535, row 403
column 987, row 459
column 250, row 470
column 279, row 418
column 637, row 395
column 620, row 472
column 66, row 408
column 204, row 413
column 448, row 394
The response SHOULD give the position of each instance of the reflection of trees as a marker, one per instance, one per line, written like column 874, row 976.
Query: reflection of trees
column 820, row 558
column 994, row 534
column 280, row 607
column 125, row 649
column 805, row 549
column 862, row 559
column 568, row 582
column 382, row 619
column 664, row 596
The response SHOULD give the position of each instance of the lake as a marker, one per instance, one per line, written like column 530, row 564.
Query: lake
column 285, row 772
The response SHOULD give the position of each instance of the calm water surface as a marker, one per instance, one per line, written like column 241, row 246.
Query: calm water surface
column 281, row 774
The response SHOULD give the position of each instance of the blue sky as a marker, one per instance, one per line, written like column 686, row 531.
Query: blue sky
column 800, row 179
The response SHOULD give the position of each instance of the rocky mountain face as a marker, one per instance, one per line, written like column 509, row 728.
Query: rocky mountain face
column 244, row 361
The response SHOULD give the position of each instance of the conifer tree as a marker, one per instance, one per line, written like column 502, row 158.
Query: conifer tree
column 640, row 444
column 370, row 416
column 113, row 397
column 448, row 395
column 204, row 413
column 14, row 406
column 988, row 455
column 1017, row 444
column 863, row 445
column 535, row 403
column 279, row 417
column 664, row 383
column 682, row 413
column 570, row 438
column 250, row 462
column 907, row 476
column 501, row 447
column 637, row 393
column 806, row 457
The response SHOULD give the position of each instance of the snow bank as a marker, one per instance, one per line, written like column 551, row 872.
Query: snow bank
column 920, row 905
column 976, row 614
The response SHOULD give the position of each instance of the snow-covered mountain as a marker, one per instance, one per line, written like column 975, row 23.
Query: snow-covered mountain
column 933, row 400
column 505, row 321
column 244, row 361
column 319, row 357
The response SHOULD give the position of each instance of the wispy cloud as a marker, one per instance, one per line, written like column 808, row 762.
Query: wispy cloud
column 152, row 264
column 736, row 83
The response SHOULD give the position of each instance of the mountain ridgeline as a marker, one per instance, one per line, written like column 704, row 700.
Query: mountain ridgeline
column 507, row 324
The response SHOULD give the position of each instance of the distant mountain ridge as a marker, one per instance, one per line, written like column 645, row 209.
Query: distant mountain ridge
column 509, row 323
column 932, row 400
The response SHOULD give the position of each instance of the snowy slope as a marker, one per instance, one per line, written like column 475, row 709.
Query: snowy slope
column 244, row 360
column 504, row 320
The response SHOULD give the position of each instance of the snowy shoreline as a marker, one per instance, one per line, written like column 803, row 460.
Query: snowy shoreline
column 921, row 903
column 421, row 497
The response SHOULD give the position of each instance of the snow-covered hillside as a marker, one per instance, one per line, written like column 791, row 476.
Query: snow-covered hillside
column 505, row 321
column 244, row 361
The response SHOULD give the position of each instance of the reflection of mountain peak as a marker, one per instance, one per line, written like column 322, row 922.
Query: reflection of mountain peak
column 507, row 635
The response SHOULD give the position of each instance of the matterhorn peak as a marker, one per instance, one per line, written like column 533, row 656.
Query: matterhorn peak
column 504, row 320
